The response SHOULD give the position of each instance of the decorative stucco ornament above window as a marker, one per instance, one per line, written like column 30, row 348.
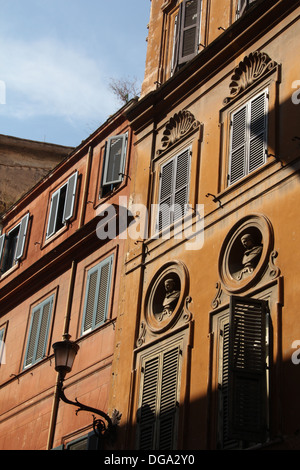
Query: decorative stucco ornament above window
column 166, row 301
column 178, row 127
column 252, row 68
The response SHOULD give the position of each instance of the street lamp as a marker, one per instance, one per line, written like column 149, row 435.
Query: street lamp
column 64, row 353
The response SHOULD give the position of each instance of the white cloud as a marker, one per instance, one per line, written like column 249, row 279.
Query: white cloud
column 46, row 77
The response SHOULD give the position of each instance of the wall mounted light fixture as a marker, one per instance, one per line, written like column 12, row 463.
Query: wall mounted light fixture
column 65, row 352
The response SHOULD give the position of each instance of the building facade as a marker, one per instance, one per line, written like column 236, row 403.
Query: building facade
column 60, row 279
column 214, row 327
column 166, row 247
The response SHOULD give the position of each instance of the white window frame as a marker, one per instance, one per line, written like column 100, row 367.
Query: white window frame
column 22, row 228
column 173, row 192
column 248, row 139
column 108, row 155
column 71, row 186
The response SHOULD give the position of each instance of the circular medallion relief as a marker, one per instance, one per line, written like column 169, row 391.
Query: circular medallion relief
column 245, row 252
column 165, row 296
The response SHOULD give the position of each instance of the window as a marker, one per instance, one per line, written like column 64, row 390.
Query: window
column 38, row 332
column 62, row 205
column 243, row 5
column 159, row 398
column 114, row 161
column 2, row 345
column 174, row 189
column 97, row 295
column 89, row 442
column 248, row 140
column 242, row 373
column 12, row 245
column 186, row 33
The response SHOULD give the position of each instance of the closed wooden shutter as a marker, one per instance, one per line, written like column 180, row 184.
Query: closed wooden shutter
column 97, row 295
column 51, row 229
column 168, row 399
column 237, row 168
column 248, row 144
column 258, row 131
column 148, row 409
column 224, row 442
column 166, row 194
column 22, row 237
column 70, row 197
column 174, row 189
column 114, row 164
column 182, row 180
column 247, row 370
column 159, row 401
column 189, row 30
column 38, row 333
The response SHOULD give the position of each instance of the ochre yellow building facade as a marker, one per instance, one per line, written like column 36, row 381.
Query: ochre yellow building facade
column 166, row 246
column 218, row 135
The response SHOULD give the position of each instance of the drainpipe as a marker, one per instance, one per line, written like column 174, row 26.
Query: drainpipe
column 65, row 335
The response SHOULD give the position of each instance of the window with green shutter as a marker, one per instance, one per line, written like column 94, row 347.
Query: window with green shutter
column 62, row 205
column 12, row 244
column 114, row 162
column 187, row 32
column 38, row 332
column 97, row 295
column 159, row 398
column 248, row 140
column 174, row 189
column 242, row 374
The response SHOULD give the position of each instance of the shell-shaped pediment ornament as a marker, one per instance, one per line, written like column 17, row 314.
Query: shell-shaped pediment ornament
column 177, row 127
column 249, row 70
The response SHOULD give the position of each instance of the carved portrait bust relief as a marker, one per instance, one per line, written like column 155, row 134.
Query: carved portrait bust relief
column 245, row 252
column 166, row 298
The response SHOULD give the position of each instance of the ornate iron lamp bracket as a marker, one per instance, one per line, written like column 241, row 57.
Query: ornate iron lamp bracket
column 105, row 427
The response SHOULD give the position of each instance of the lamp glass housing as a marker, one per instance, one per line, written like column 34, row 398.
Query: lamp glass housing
column 64, row 352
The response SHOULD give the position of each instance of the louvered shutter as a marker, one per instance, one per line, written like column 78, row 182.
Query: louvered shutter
column 182, row 184
column 103, row 292
column 38, row 334
column 176, row 40
column 2, row 347
column 190, row 26
column 248, row 146
column 159, row 401
column 2, row 241
column 258, row 131
column 53, row 214
column 223, row 383
column 166, row 194
column 148, row 407
column 114, row 160
column 70, row 197
column 22, row 237
column 237, row 168
column 168, row 399
column 174, row 189
column 247, row 370
column 92, row 282
column 97, row 295
column 242, row 6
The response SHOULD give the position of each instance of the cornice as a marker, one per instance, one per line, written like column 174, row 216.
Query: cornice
column 260, row 19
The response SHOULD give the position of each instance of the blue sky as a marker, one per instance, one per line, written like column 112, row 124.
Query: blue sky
column 56, row 61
